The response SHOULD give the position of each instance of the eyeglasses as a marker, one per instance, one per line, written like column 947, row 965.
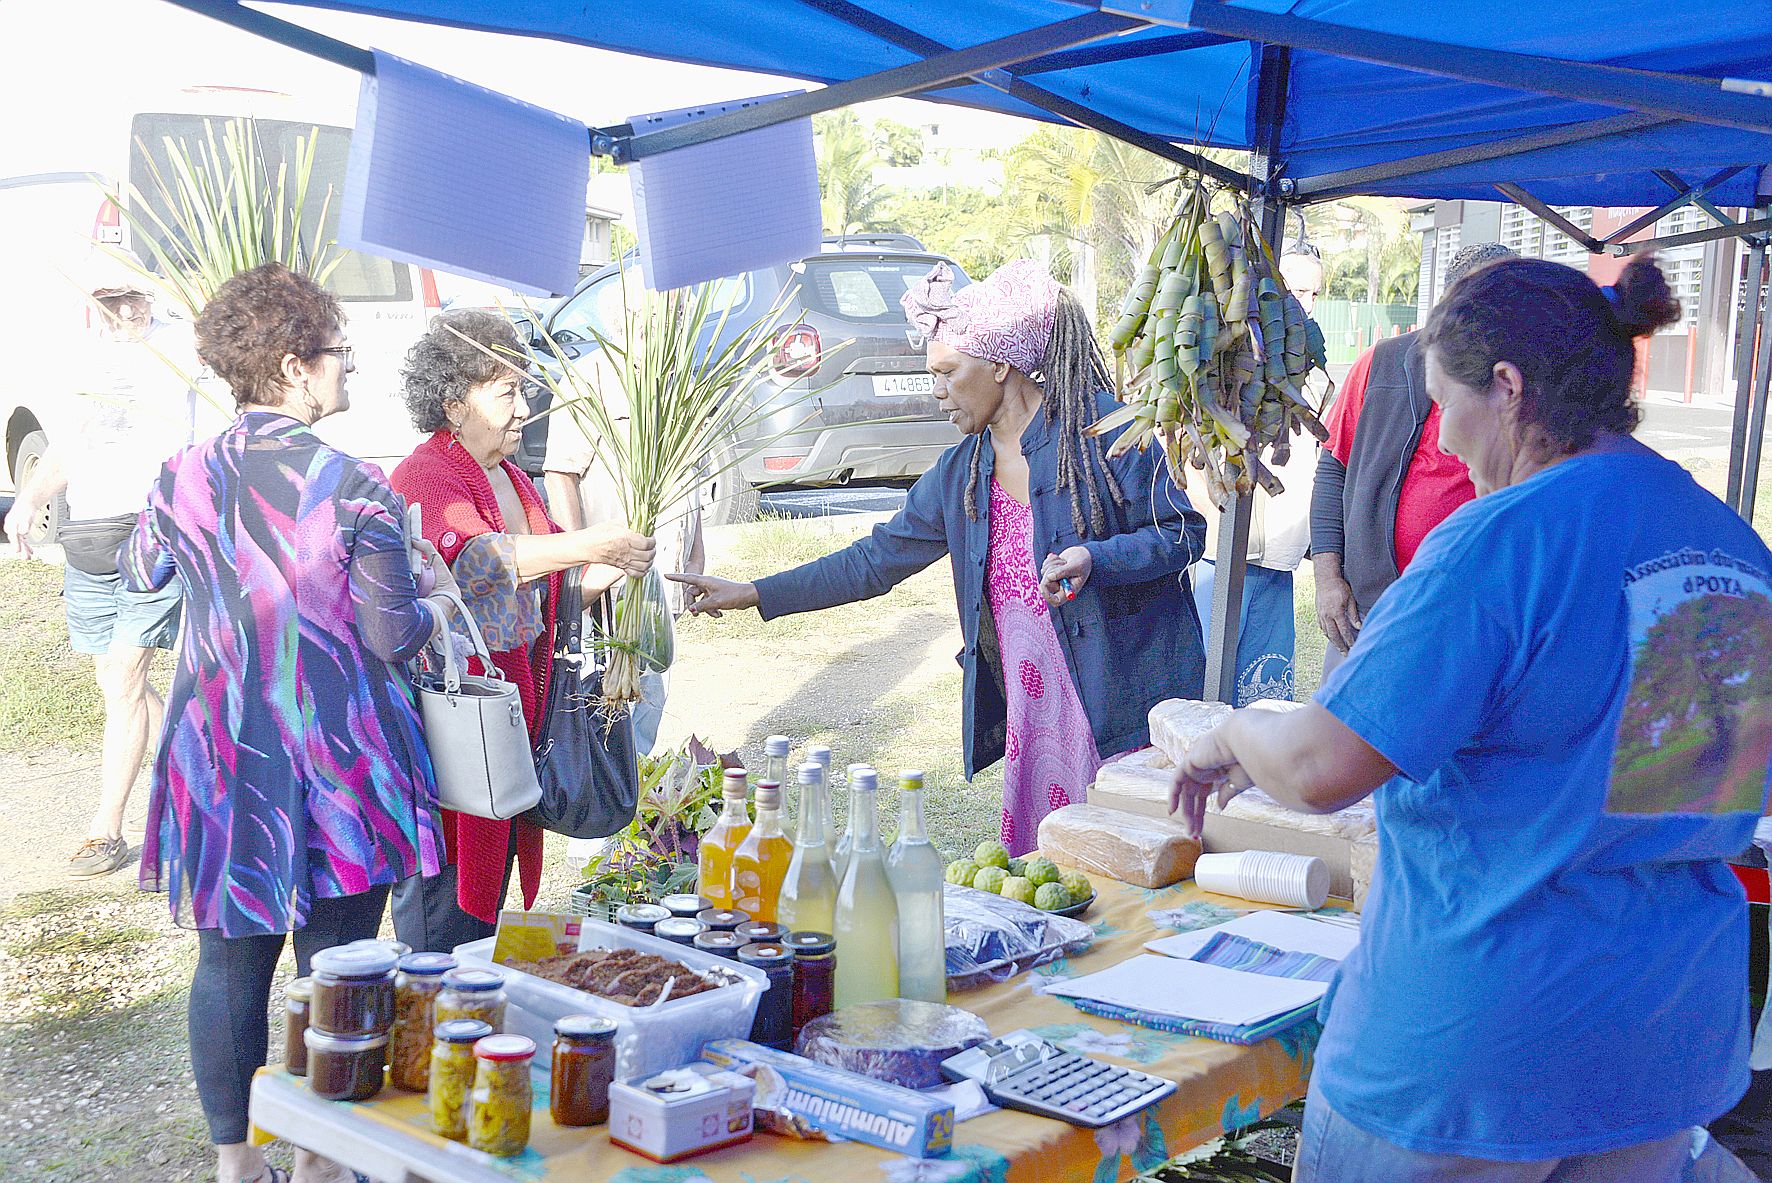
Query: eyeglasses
column 345, row 353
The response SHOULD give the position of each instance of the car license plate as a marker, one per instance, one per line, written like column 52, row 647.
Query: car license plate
column 903, row 385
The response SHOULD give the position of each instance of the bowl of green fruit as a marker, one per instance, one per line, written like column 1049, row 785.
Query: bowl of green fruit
column 1036, row 881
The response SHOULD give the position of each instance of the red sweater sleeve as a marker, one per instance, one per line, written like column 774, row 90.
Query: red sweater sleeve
column 1344, row 413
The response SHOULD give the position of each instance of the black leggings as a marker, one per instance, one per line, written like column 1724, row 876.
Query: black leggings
column 231, row 993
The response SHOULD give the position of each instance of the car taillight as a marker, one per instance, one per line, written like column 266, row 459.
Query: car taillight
column 796, row 353
column 107, row 227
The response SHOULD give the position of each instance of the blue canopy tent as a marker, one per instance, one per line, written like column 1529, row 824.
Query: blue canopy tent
column 1611, row 102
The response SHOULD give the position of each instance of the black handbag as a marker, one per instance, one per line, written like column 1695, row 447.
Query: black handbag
column 92, row 545
column 590, row 778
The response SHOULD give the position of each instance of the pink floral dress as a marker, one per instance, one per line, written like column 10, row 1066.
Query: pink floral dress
column 1049, row 752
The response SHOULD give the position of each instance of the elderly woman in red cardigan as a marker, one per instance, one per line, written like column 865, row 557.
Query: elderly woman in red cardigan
column 485, row 517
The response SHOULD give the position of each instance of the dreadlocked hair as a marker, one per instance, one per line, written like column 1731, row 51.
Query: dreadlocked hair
column 1070, row 375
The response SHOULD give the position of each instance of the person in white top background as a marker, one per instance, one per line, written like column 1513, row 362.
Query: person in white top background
column 106, row 445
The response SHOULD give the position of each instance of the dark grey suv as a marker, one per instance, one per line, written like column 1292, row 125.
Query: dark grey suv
column 846, row 379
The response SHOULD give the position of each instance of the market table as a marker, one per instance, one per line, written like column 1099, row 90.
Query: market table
column 1222, row 1087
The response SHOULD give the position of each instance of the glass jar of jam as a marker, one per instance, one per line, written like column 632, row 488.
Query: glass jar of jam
column 452, row 1075
column 298, row 997
column 760, row 932
column 344, row 1067
column 417, row 982
column 641, row 917
column 473, row 994
column 353, row 990
column 774, row 1024
column 686, row 906
column 722, row 919
column 815, row 969
column 584, row 1068
column 721, row 944
column 680, row 930
column 498, row 1108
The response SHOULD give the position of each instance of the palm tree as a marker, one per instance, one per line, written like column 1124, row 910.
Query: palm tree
column 849, row 200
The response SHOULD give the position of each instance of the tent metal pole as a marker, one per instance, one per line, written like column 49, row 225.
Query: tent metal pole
column 1099, row 55
column 1702, row 100
column 1354, row 182
column 1672, row 180
column 1756, row 426
column 1520, row 197
column 1733, row 230
column 1687, row 197
column 283, row 32
column 1273, row 67
column 932, row 71
column 1010, row 83
column 1745, row 346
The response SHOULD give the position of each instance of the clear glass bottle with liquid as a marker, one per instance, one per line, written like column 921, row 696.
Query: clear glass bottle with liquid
column 809, row 893
column 820, row 755
column 775, row 759
column 866, row 917
column 714, row 861
column 761, row 861
column 840, row 851
column 914, row 867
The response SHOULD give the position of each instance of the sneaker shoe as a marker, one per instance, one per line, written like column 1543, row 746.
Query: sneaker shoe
column 98, row 856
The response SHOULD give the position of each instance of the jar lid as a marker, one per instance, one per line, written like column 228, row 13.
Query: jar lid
column 764, row 953
column 426, row 964
column 644, row 913
column 299, row 990
column 727, row 918
column 686, row 904
column 355, row 961
column 397, row 948
column 473, row 979
column 716, row 939
column 505, row 1048
column 810, row 944
column 680, row 928
column 761, row 930
column 462, row 1031
column 585, row 1027
column 324, row 1041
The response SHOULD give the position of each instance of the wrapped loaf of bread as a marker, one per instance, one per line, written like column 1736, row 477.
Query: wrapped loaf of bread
column 1146, row 851
column 1177, row 722
column 1144, row 775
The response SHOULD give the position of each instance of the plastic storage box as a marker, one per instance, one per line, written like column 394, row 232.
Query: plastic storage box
column 648, row 1039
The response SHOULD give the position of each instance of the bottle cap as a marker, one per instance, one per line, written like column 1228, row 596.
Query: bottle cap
column 810, row 944
column 776, row 745
column 864, row 780
column 737, row 784
column 505, row 1047
column 426, row 964
column 819, row 754
column 768, row 794
column 910, row 778
column 811, row 772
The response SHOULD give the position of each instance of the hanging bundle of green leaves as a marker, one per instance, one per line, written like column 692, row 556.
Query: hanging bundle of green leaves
column 219, row 207
column 1212, row 352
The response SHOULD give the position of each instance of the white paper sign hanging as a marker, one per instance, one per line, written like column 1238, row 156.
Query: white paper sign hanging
column 729, row 205
column 451, row 175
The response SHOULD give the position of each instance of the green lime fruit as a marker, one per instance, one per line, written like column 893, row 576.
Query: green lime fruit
column 1077, row 884
column 1042, row 870
column 991, row 853
column 990, row 879
column 1051, row 897
column 961, row 871
column 1017, row 888
column 1018, row 866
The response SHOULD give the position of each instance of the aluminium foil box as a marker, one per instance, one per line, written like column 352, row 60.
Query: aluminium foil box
column 843, row 1104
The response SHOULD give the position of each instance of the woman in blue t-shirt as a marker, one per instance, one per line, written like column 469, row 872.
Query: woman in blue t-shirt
column 1564, row 712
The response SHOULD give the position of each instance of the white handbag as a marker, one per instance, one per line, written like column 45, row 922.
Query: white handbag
column 475, row 729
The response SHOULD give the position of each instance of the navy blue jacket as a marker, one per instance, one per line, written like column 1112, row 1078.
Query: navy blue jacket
column 1131, row 637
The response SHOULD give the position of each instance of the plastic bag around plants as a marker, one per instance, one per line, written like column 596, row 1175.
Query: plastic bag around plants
column 991, row 939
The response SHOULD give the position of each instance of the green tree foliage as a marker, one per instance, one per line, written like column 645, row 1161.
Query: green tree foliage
column 967, row 224
column 898, row 144
column 849, row 198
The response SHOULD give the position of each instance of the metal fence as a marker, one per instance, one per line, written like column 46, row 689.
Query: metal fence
column 1350, row 328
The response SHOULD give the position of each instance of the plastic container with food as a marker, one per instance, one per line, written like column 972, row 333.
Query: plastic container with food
column 648, row 1039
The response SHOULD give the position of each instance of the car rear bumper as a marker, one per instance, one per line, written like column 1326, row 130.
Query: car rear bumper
column 859, row 451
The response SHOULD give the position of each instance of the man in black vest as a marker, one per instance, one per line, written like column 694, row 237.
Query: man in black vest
column 1382, row 481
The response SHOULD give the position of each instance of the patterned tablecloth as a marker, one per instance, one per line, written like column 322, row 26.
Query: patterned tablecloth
column 1222, row 1087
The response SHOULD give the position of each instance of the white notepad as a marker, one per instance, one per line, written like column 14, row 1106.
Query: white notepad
column 1282, row 930
column 451, row 175
column 726, row 206
column 1179, row 989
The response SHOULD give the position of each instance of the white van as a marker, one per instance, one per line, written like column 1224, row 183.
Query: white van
column 48, row 219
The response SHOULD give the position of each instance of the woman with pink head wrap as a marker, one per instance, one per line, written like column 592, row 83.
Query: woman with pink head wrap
column 1069, row 568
